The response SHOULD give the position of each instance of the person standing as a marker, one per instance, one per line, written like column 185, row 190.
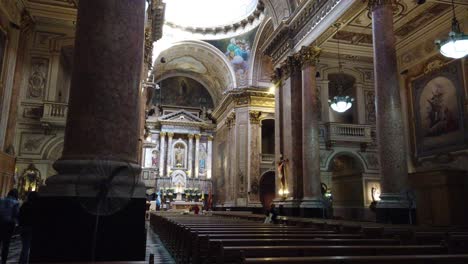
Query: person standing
column 26, row 216
column 9, row 208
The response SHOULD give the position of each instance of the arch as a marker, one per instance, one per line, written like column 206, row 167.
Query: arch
column 191, row 76
column 328, row 164
column 267, row 188
column 278, row 10
column 51, row 146
column 359, row 76
column 200, row 61
column 258, row 58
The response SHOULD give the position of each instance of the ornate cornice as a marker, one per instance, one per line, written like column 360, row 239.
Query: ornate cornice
column 372, row 4
column 309, row 56
column 253, row 20
column 244, row 97
column 289, row 33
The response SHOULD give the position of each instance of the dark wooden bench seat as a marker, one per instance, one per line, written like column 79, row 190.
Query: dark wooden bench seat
column 234, row 254
column 395, row 259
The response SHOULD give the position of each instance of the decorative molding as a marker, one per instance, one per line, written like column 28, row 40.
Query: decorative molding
column 309, row 56
column 37, row 80
column 372, row 4
column 231, row 120
column 254, row 117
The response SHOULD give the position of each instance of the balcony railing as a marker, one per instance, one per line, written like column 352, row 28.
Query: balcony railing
column 55, row 113
column 335, row 132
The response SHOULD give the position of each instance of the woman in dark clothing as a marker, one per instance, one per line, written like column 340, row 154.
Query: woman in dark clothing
column 26, row 216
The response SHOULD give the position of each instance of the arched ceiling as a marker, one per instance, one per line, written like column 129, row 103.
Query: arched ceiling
column 199, row 61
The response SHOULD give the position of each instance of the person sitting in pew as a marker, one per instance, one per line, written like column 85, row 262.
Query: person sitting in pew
column 271, row 215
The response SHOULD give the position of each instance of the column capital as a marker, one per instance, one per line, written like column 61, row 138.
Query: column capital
column 231, row 120
column 210, row 138
column 197, row 136
column 372, row 4
column 170, row 134
column 309, row 55
column 276, row 76
column 254, row 117
column 162, row 134
column 290, row 65
column 190, row 136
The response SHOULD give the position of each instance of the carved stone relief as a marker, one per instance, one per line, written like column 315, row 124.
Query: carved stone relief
column 32, row 143
column 38, row 78
column 371, row 159
column 369, row 100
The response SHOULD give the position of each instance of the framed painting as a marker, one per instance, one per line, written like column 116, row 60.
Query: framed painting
column 438, row 111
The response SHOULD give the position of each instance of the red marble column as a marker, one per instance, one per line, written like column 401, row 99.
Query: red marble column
column 103, row 118
column 291, row 106
column 390, row 130
column 102, row 124
column 276, row 79
column 310, row 133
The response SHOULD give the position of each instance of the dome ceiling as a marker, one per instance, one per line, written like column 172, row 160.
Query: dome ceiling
column 208, row 13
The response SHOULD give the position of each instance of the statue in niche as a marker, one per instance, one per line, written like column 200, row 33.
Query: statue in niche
column 178, row 156
column 202, row 161
column 155, row 158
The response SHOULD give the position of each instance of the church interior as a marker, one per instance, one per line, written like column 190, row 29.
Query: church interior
column 237, row 131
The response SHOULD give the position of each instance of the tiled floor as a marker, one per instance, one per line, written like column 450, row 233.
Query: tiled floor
column 153, row 246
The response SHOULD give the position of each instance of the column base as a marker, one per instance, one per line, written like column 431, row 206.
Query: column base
column 66, row 223
column 312, row 207
column 288, row 207
column 64, row 232
column 395, row 209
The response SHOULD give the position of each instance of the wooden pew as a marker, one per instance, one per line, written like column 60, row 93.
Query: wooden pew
column 234, row 254
column 397, row 259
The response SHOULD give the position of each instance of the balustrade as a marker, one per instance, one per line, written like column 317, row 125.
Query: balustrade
column 55, row 113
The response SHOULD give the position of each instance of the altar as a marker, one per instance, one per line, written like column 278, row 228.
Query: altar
column 183, row 205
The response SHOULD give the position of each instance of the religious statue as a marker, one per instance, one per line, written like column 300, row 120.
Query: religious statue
column 282, row 175
column 30, row 181
column 179, row 156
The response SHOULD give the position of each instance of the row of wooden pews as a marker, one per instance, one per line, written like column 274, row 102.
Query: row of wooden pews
column 220, row 239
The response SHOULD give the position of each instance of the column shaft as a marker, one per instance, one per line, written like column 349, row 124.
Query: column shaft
column 162, row 153
column 390, row 130
column 310, row 126
column 104, row 95
column 197, row 149
column 190, row 155
column 209, row 157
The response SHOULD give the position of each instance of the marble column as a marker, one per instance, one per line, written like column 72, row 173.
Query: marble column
column 312, row 197
column 209, row 157
column 101, row 143
column 393, row 206
column 277, row 82
column 190, row 155
column 162, row 154
column 170, row 135
column 292, row 129
column 254, row 152
column 197, row 149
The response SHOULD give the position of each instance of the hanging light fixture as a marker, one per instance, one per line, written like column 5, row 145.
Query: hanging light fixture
column 340, row 103
column 456, row 46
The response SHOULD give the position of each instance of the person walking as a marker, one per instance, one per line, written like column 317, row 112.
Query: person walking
column 26, row 218
column 9, row 208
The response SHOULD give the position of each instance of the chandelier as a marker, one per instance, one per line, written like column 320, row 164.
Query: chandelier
column 456, row 46
column 340, row 103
